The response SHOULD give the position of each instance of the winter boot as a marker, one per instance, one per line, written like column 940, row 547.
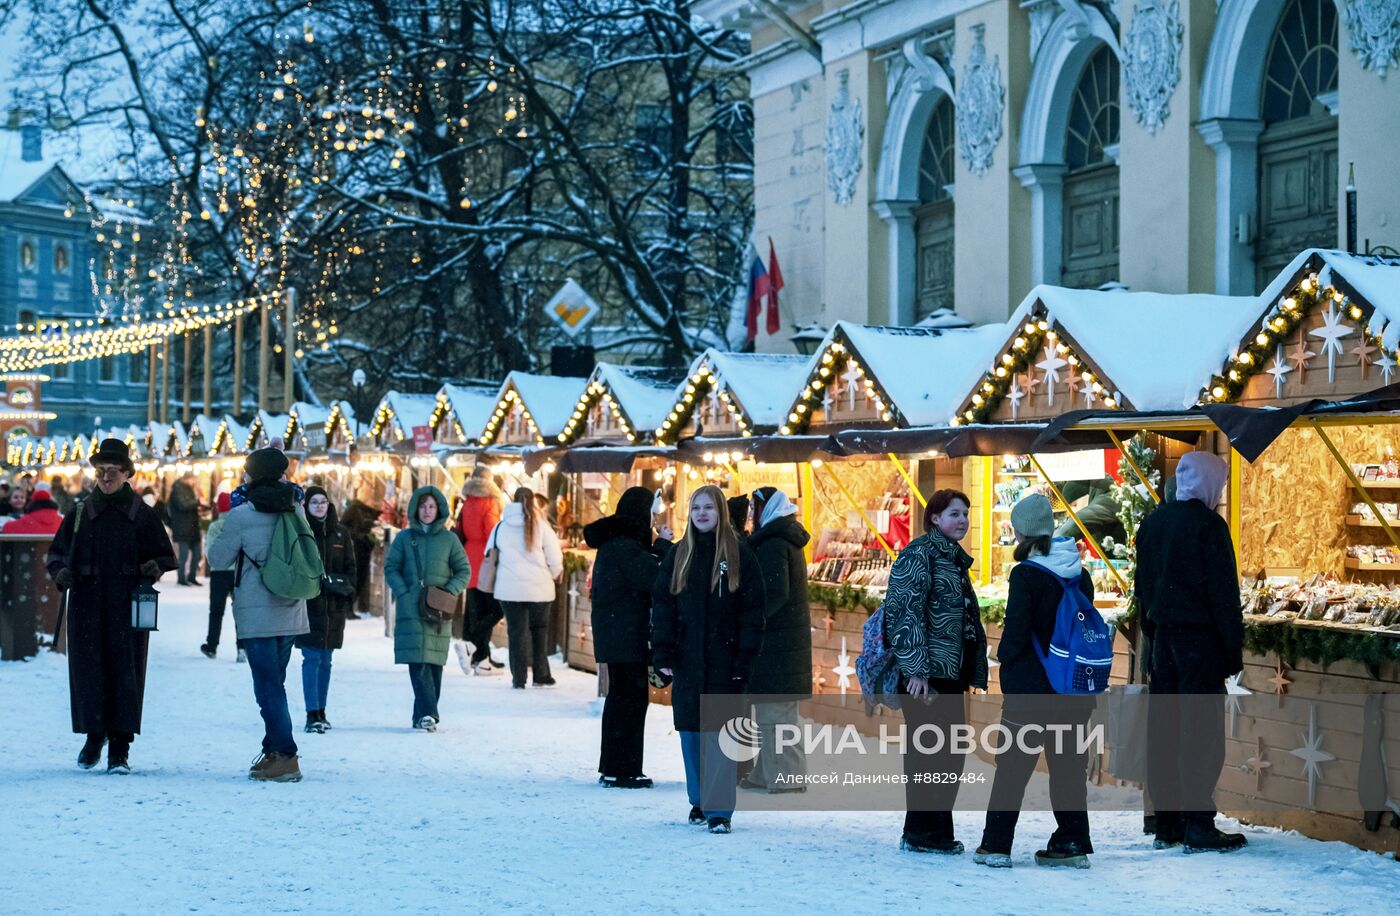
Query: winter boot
column 546, row 682
column 634, row 782
column 1208, row 838
column 697, row 817
column 321, row 717
column 1063, row 855
column 275, row 767
column 1168, row 829
column 720, row 825
column 208, row 650
column 991, row 859
column 92, row 751
column 427, row 723
column 911, row 843
column 117, row 750
column 460, row 648
column 313, row 724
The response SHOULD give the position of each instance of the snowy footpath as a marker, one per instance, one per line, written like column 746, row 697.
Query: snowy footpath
column 500, row 809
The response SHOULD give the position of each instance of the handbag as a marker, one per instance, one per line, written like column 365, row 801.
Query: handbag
column 435, row 605
column 486, row 575
column 337, row 584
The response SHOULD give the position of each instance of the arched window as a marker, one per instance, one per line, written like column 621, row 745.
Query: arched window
column 1298, row 148
column 28, row 255
column 934, row 227
column 61, row 260
column 1090, row 255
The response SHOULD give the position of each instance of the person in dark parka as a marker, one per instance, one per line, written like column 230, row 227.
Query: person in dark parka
column 326, row 612
column 1034, row 592
column 782, row 672
column 1189, row 592
column 102, row 552
column 706, row 629
column 184, row 527
column 624, row 571
column 359, row 519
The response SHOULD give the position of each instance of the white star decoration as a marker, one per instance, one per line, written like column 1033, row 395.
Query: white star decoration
column 1051, row 366
column 1014, row 395
column 844, row 668
column 1088, row 395
column 1331, row 334
column 1279, row 370
column 1234, row 689
column 1387, row 366
column 850, row 377
column 1312, row 754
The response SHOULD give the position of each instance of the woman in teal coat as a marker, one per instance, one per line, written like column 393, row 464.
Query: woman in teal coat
column 424, row 554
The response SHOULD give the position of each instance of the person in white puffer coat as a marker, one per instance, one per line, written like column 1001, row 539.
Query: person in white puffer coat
column 530, row 563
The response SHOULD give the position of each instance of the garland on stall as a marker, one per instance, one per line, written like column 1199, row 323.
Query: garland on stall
column 574, row 562
column 1321, row 646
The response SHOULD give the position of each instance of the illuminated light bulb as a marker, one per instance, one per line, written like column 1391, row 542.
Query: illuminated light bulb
column 288, row 78
column 1001, row 372
column 308, row 37
column 1007, row 359
column 1234, row 375
column 1262, row 339
column 491, row 86
column 786, row 430
column 1356, row 312
column 278, row 94
column 408, row 125
column 1019, row 343
column 1218, row 392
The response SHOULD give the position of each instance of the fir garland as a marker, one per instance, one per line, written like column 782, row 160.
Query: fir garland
column 574, row 562
column 1321, row 645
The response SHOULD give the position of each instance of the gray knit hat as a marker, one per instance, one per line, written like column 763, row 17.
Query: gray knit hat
column 1032, row 517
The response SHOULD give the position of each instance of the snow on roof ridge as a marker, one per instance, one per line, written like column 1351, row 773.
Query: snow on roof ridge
column 549, row 399
column 764, row 384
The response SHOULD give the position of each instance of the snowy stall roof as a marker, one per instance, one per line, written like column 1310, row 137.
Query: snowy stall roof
column 204, row 430
column 231, row 437
column 461, row 411
column 398, row 413
column 896, row 376
column 264, row 428
column 1327, row 327
column 532, row 409
column 735, row 393
column 622, row 402
column 340, row 435
column 302, row 418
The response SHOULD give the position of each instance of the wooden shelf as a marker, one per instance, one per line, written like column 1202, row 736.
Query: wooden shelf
column 1018, row 473
column 1381, row 484
column 1364, row 566
column 1357, row 521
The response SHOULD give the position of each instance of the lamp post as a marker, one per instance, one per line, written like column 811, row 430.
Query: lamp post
column 808, row 337
column 357, row 381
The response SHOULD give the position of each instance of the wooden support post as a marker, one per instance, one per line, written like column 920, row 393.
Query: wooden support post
column 808, row 497
column 187, row 408
column 238, row 366
column 264, row 357
column 289, row 346
column 151, row 384
column 1234, row 503
column 208, row 370
column 1157, row 500
column 165, row 381
column 913, row 487
column 989, row 498
column 851, row 501
column 1093, row 541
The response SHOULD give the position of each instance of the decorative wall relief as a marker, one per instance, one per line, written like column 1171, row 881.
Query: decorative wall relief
column 1375, row 32
column 844, row 136
column 1152, row 60
column 981, row 100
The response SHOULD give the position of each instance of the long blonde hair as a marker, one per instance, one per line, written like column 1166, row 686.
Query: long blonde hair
column 531, row 510
column 726, row 545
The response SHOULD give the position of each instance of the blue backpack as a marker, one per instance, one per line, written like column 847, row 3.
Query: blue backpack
column 1080, row 654
column 875, row 666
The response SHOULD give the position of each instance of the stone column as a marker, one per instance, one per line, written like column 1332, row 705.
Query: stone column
column 1046, row 182
column 902, row 254
column 1236, row 145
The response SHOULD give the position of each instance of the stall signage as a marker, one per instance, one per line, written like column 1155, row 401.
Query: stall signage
column 422, row 439
column 572, row 308
column 1062, row 466
column 315, row 438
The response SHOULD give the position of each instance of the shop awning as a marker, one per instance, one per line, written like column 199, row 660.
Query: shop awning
column 591, row 459
column 765, row 449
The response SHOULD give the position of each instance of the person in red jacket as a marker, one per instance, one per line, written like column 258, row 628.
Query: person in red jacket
column 481, row 512
column 41, row 515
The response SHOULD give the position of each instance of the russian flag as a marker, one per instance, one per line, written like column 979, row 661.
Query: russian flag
column 759, row 289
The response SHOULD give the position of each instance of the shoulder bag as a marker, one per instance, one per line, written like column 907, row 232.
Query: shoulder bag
column 486, row 576
column 435, row 604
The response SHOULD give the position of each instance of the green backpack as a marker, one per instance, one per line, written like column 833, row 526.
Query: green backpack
column 293, row 566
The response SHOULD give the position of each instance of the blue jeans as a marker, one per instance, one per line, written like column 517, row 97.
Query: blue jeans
column 267, row 661
column 710, row 776
column 427, row 689
column 315, row 676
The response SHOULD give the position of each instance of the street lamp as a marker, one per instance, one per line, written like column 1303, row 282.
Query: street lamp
column 357, row 381
column 808, row 337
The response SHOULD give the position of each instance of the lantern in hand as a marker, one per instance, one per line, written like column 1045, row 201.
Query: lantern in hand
column 145, row 602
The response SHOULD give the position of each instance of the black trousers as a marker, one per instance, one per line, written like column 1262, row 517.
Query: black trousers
column 527, row 627
column 1069, row 771
column 483, row 613
column 187, row 553
column 624, row 719
column 932, row 789
column 1185, row 728
column 220, row 591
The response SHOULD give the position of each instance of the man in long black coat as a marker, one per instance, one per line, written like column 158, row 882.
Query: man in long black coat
column 104, row 549
column 1189, row 592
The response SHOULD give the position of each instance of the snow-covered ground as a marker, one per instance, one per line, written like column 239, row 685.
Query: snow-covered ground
column 499, row 809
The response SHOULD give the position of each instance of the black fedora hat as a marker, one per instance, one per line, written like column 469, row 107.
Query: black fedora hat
column 113, row 451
